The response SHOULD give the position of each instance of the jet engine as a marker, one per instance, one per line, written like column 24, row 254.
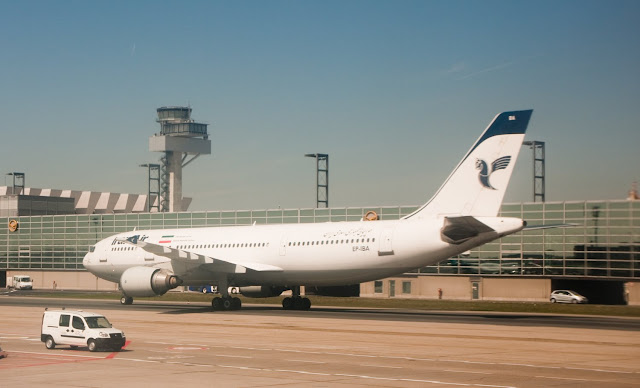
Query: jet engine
column 147, row 281
column 261, row 291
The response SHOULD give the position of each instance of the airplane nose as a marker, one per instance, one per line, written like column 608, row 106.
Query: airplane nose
column 86, row 262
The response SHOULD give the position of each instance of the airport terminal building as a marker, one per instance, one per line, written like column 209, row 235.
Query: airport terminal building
column 598, row 257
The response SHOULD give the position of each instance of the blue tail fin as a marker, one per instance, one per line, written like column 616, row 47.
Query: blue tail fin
column 477, row 185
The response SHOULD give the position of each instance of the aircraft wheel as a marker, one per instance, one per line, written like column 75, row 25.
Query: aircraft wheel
column 236, row 303
column 216, row 303
column 287, row 303
column 126, row 300
column 306, row 304
column 227, row 303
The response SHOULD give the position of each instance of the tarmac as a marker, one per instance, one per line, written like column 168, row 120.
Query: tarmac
column 178, row 344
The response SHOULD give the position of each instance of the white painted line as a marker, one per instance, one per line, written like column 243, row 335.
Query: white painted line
column 382, row 366
column 307, row 361
column 466, row 371
column 56, row 354
column 232, row 356
column 562, row 378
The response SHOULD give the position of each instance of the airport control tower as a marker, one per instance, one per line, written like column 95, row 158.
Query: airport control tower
column 180, row 137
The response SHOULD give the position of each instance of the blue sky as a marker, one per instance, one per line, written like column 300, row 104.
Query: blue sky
column 395, row 91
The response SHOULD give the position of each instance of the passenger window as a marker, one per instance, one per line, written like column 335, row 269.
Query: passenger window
column 77, row 323
column 64, row 320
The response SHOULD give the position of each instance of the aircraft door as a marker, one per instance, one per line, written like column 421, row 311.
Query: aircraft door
column 283, row 246
column 386, row 246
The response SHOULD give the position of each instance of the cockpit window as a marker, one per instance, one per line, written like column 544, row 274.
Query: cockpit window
column 92, row 248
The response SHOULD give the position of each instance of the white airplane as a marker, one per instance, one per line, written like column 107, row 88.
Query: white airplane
column 265, row 260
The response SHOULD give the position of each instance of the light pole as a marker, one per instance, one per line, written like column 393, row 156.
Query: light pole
column 153, row 177
column 19, row 177
column 322, row 179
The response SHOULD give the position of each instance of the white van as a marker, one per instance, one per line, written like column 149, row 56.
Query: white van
column 20, row 282
column 79, row 328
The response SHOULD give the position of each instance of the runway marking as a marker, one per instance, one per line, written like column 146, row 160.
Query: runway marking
column 466, row 371
column 382, row 366
column 303, row 372
column 188, row 348
column 426, row 381
column 405, row 358
column 565, row 378
column 598, row 370
column 232, row 356
column 42, row 359
column 114, row 354
column 308, row 362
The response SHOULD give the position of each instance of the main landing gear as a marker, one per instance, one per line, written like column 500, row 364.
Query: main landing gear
column 296, row 302
column 226, row 303
column 126, row 300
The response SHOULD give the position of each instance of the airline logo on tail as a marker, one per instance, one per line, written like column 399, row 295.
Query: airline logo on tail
column 485, row 174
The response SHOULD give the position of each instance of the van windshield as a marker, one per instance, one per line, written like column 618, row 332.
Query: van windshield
column 97, row 322
column 25, row 279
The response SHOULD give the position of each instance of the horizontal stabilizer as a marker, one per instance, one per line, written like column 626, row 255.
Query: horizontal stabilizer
column 550, row 226
column 457, row 230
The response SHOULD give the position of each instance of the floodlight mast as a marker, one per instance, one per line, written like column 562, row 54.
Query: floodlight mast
column 322, row 179
column 18, row 182
column 153, row 196
column 538, row 169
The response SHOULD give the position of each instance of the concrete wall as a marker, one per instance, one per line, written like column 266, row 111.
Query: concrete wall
column 461, row 288
column 534, row 290
column 632, row 291
column 66, row 280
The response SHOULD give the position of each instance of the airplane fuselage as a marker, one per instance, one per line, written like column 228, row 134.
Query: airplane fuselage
column 323, row 254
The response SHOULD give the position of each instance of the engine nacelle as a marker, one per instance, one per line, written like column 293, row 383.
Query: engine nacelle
column 147, row 281
column 261, row 291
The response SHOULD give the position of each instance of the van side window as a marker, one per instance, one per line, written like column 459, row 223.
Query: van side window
column 64, row 320
column 77, row 323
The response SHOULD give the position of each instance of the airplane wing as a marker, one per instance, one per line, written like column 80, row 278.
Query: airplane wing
column 190, row 260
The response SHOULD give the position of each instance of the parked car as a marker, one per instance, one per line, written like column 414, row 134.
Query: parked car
column 567, row 296
column 80, row 328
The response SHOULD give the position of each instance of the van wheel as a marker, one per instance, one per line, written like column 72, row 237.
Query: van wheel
column 49, row 343
column 92, row 345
